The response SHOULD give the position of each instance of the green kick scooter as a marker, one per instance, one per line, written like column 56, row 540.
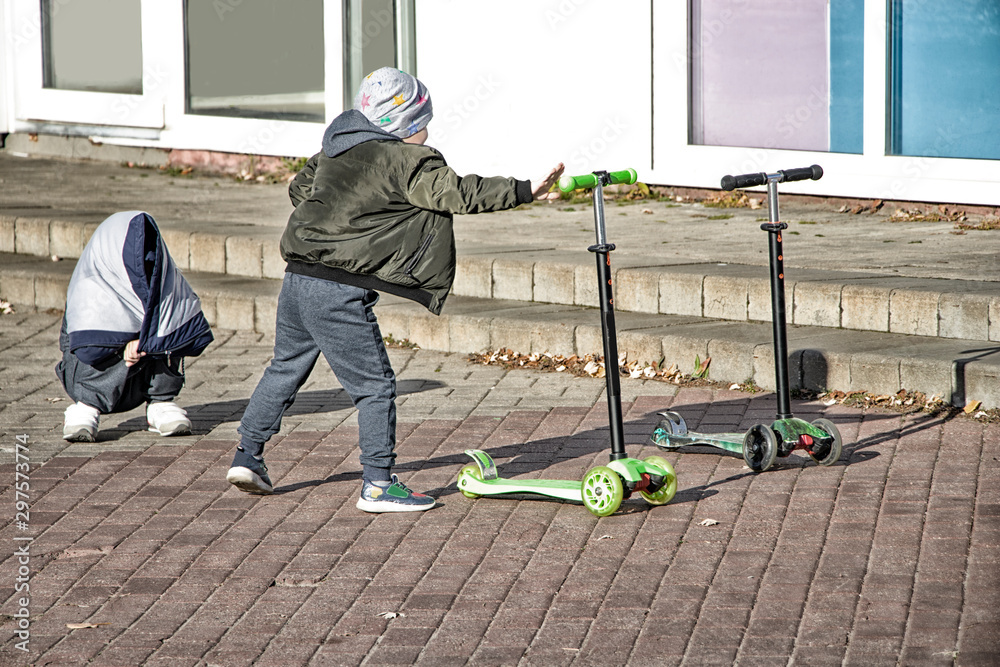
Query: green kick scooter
column 603, row 488
column 762, row 443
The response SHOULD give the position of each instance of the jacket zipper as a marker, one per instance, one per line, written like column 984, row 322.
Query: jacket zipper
column 412, row 264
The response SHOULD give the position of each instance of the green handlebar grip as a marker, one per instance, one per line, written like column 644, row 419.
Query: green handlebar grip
column 586, row 181
column 624, row 177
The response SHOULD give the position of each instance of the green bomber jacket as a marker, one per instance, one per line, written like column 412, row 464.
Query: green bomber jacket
column 375, row 212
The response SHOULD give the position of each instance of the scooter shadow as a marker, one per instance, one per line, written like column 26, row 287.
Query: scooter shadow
column 535, row 456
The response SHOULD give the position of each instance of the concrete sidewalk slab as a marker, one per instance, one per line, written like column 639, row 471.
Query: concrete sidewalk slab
column 864, row 272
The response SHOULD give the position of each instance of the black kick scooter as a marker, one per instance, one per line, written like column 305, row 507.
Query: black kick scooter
column 603, row 487
column 762, row 443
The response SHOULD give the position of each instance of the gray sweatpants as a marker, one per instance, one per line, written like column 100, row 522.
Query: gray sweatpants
column 114, row 387
column 320, row 316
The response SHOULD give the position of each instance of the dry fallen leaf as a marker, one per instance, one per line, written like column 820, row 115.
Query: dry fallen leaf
column 708, row 522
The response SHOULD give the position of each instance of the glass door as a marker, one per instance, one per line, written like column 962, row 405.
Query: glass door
column 82, row 62
column 377, row 33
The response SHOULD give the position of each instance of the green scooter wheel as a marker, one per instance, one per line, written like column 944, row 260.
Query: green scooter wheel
column 760, row 446
column 826, row 457
column 471, row 470
column 602, row 491
column 665, row 494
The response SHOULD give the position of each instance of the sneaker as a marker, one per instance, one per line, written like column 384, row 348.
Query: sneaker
column 394, row 497
column 251, row 481
column 80, row 423
column 167, row 419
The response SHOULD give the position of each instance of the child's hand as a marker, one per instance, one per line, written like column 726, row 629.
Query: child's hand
column 540, row 188
column 131, row 353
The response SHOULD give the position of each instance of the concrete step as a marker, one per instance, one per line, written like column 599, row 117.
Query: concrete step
column 858, row 300
column 819, row 357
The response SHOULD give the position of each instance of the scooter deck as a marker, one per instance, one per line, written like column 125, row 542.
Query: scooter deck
column 732, row 442
column 672, row 433
column 492, row 484
column 553, row 488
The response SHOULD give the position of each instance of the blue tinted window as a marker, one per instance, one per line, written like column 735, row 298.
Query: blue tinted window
column 945, row 95
column 846, row 75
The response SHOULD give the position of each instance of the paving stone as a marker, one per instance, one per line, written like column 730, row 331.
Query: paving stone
column 868, row 559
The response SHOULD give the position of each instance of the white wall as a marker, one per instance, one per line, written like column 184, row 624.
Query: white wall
column 4, row 71
column 519, row 86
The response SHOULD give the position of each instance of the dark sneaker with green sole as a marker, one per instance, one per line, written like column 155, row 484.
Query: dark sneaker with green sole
column 394, row 497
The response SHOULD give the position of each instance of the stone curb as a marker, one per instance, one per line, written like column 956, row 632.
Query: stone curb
column 968, row 310
column 820, row 358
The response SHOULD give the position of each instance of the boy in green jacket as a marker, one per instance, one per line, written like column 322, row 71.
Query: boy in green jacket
column 373, row 212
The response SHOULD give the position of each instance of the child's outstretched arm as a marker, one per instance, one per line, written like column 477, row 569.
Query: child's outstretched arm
column 435, row 186
column 540, row 187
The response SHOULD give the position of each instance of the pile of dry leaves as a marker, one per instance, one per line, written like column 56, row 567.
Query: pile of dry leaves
column 904, row 402
column 592, row 365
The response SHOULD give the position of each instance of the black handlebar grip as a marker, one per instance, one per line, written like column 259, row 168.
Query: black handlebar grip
column 743, row 181
column 814, row 172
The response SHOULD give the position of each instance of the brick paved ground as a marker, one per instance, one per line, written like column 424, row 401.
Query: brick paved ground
column 890, row 557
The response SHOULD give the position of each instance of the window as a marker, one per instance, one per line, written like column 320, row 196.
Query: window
column 945, row 78
column 782, row 74
column 255, row 59
column 379, row 33
column 92, row 45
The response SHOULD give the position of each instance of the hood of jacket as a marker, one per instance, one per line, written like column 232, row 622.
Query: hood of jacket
column 125, row 287
column 350, row 129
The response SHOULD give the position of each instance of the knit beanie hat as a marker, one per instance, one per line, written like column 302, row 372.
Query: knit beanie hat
column 394, row 101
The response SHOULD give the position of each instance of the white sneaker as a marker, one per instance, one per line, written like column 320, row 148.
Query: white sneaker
column 167, row 419
column 80, row 423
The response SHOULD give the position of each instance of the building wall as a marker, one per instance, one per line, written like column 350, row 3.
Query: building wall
column 520, row 85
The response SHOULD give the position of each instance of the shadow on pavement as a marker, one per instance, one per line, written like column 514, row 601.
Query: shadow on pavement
column 206, row 416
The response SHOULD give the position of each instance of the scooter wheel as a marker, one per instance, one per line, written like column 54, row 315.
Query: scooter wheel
column 760, row 446
column 666, row 493
column 471, row 470
column 826, row 456
column 603, row 491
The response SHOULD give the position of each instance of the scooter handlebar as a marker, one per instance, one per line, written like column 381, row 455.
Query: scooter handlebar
column 814, row 172
column 743, row 181
column 586, row 181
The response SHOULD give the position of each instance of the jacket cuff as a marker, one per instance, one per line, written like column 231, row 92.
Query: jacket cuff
column 523, row 191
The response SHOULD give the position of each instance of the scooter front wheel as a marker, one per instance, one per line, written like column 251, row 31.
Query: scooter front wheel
column 471, row 470
column 760, row 446
column 602, row 490
column 826, row 457
column 668, row 490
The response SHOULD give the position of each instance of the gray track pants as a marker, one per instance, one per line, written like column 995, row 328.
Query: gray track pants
column 315, row 316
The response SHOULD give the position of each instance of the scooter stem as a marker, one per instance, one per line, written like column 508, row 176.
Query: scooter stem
column 776, row 257
column 606, row 295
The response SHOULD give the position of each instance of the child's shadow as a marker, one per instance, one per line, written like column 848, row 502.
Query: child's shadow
column 206, row 416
